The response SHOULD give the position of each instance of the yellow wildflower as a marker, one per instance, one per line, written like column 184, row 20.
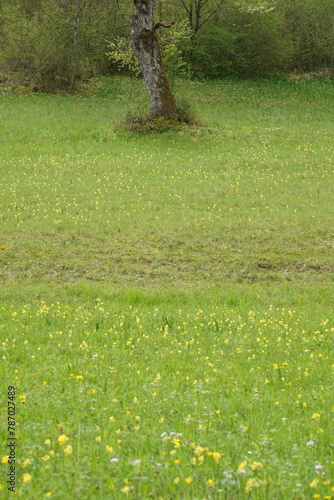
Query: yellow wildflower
column 68, row 450
column 242, row 466
column 62, row 439
column 256, row 465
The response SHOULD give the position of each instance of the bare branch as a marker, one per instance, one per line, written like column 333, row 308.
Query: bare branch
column 210, row 15
column 185, row 6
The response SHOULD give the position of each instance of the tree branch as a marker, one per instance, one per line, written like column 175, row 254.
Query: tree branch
column 146, row 32
column 185, row 6
column 162, row 25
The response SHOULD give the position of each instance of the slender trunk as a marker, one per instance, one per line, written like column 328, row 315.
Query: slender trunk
column 75, row 39
column 198, row 15
column 146, row 46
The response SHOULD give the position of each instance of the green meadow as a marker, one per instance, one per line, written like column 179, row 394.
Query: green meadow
column 166, row 309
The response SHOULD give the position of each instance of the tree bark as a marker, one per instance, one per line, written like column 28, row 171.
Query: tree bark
column 146, row 46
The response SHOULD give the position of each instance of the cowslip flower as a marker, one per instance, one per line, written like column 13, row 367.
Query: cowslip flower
column 26, row 462
column 62, row 439
column 241, row 467
column 68, row 449
column 256, row 465
column 251, row 484
column 26, row 478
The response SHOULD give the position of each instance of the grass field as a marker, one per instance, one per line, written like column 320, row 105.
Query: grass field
column 167, row 299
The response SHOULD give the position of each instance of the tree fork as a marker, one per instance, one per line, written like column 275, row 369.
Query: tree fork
column 146, row 46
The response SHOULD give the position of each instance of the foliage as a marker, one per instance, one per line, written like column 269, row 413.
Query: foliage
column 123, row 55
column 263, row 41
column 214, row 53
column 38, row 44
column 171, row 43
column 238, row 37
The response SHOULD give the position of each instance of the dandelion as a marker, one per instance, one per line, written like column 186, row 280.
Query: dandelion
column 189, row 479
column 314, row 483
column 125, row 490
column 316, row 416
column 26, row 462
column 210, row 483
column 79, row 377
column 47, row 441
column 4, row 459
column 26, row 478
column 176, row 480
column 62, row 439
column 98, row 438
column 48, row 494
column 216, row 455
column 109, row 449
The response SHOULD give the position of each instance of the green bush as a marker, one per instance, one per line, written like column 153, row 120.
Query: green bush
column 213, row 53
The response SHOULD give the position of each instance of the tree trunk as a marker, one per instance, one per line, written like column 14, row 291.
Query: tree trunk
column 75, row 39
column 146, row 46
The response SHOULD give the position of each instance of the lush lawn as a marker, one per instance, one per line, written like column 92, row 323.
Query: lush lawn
column 167, row 300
